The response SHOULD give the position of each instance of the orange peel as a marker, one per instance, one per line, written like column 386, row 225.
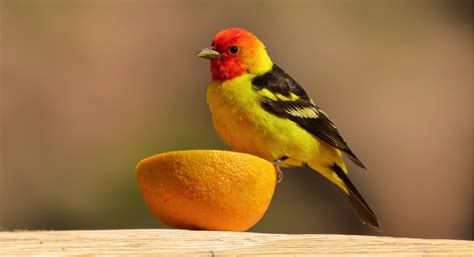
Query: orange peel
column 207, row 189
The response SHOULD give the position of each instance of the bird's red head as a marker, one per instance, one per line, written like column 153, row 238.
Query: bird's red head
column 233, row 52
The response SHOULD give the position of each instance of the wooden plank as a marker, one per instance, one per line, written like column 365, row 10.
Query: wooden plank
column 152, row 242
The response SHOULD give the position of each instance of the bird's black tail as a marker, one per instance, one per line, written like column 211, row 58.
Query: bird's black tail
column 366, row 215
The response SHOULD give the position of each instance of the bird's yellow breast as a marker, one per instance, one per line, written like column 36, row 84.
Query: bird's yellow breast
column 245, row 126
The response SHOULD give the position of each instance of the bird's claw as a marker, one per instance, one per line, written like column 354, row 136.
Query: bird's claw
column 278, row 170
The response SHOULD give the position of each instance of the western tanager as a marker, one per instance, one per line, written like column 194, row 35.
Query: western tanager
column 258, row 108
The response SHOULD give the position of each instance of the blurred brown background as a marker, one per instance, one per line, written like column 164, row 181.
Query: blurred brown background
column 88, row 88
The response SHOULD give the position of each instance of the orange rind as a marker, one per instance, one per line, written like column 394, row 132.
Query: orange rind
column 207, row 189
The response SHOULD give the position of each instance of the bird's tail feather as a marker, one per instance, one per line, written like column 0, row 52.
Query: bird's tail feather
column 366, row 215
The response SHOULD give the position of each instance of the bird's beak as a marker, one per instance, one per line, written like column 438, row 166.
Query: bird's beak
column 209, row 53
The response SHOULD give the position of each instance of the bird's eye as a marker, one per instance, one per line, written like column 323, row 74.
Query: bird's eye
column 233, row 50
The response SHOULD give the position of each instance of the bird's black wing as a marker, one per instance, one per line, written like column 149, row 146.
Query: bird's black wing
column 289, row 100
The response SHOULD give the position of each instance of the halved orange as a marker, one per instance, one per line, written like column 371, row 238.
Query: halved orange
column 207, row 189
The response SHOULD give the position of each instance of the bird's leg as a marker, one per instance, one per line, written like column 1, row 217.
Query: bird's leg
column 277, row 163
column 279, row 172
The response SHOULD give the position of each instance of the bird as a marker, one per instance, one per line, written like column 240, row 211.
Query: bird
column 258, row 108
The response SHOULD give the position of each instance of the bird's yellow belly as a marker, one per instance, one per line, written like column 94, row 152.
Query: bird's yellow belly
column 241, row 122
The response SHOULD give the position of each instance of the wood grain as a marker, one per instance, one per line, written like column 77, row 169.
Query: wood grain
column 153, row 242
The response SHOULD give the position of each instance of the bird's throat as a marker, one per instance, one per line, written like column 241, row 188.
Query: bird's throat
column 224, row 70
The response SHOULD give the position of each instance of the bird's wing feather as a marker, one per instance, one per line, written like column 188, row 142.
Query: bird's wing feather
column 289, row 100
